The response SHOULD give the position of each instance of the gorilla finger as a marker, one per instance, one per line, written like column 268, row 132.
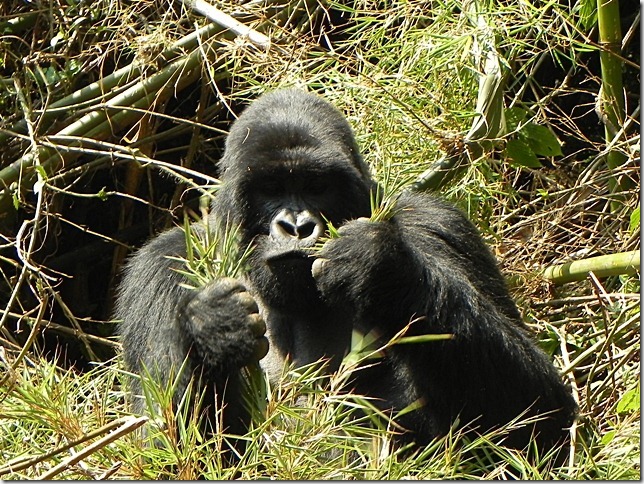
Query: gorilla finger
column 261, row 349
column 247, row 302
column 318, row 267
column 224, row 287
column 257, row 324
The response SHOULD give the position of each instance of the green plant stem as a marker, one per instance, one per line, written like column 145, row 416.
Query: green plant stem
column 601, row 266
column 612, row 93
column 102, row 123
column 107, row 87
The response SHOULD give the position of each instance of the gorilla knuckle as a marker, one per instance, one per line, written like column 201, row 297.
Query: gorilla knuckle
column 261, row 349
column 226, row 286
column 257, row 324
column 246, row 301
column 318, row 267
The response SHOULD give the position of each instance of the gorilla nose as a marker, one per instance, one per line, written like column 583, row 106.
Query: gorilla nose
column 303, row 226
column 300, row 230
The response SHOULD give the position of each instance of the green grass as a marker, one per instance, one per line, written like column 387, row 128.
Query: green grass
column 405, row 75
column 311, row 430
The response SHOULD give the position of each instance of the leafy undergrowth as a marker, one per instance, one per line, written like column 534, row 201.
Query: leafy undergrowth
column 60, row 424
column 85, row 179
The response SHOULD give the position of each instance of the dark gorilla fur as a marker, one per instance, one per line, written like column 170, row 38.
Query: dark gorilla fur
column 290, row 159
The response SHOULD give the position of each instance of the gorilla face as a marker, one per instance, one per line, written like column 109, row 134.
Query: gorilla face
column 281, row 183
column 290, row 203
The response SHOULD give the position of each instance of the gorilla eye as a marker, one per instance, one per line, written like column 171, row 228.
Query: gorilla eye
column 270, row 188
column 317, row 187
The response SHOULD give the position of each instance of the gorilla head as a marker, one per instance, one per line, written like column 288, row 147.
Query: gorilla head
column 291, row 164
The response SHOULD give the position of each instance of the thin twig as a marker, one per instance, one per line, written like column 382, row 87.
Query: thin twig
column 25, row 462
column 131, row 424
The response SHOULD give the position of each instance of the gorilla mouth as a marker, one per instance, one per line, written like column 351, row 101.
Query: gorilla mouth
column 288, row 255
column 276, row 253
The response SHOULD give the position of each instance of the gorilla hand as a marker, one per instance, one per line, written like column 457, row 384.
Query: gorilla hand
column 225, row 326
column 371, row 273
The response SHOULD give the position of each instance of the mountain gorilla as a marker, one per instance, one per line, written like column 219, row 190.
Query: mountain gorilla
column 291, row 162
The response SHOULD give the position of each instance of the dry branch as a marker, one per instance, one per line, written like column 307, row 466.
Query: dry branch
column 124, row 425
column 228, row 22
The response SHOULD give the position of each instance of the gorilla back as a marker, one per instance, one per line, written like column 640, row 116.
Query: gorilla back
column 291, row 162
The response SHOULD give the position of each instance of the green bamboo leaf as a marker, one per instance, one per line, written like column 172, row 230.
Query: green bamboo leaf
column 415, row 405
column 608, row 437
column 423, row 338
column 630, row 401
column 521, row 155
column 587, row 11
column 541, row 140
column 634, row 223
column 514, row 117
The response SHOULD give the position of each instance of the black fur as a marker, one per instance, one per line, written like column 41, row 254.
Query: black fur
column 290, row 159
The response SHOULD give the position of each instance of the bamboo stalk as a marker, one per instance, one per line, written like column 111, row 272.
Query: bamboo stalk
column 17, row 25
column 101, row 123
column 98, row 123
column 601, row 266
column 489, row 121
column 611, row 107
column 106, row 87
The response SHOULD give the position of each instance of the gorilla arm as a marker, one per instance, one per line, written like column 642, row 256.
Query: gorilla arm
column 428, row 265
column 162, row 322
column 147, row 305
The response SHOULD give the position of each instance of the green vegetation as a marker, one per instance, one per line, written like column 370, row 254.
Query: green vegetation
column 112, row 115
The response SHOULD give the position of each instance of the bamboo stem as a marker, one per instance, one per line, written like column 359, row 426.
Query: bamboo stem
column 489, row 121
column 611, row 102
column 100, row 123
column 105, row 88
column 601, row 266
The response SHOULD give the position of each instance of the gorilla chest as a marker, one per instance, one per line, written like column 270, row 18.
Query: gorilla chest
column 300, row 337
